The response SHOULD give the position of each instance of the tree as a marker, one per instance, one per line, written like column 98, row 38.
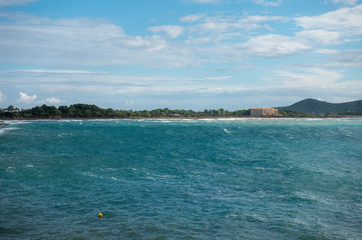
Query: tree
column 64, row 111
column 10, row 108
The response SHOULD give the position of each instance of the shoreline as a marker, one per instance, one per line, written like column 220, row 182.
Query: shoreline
column 2, row 121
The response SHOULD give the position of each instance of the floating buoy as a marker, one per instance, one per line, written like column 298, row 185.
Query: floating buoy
column 100, row 215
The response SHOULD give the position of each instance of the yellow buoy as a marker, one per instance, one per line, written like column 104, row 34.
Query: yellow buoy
column 100, row 215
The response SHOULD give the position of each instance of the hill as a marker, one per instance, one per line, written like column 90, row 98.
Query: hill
column 320, row 107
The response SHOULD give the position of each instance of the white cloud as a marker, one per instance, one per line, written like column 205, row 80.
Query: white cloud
column 268, row 3
column 57, row 71
column 346, row 20
column 129, row 102
column 173, row 31
column 345, row 2
column 24, row 98
column 335, row 27
column 52, row 100
column 261, row 18
column 305, row 78
column 222, row 90
column 85, row 42
column 319, row 36
column 231, row 26
column 291, row 83
column 218, row 78
column 198, row 40
column 192, row 18
column 285, row 83
column 205, row 1
column 347, row 58
column 273, row 45
column 7, row 3
column 2, row 97
column 325, row 51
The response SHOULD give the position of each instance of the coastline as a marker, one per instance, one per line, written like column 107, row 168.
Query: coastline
column 3, row 123
column 87, row 111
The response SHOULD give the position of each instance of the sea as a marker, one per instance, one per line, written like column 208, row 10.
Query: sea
column 248, row 178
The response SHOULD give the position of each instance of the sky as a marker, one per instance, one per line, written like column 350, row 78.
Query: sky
column 179, row 54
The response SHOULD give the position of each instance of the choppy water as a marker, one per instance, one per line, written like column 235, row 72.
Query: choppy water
column 181, row 179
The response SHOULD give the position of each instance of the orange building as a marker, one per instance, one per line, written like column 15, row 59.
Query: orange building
column 263, row 112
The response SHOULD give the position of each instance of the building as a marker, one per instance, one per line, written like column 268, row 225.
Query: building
column 263, row 112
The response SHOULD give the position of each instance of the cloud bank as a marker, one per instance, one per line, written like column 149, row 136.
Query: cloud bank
column 229, row 55
column 88, row 42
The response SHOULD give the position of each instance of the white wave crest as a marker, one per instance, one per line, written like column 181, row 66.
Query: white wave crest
column 3, row 130
column 16, row 122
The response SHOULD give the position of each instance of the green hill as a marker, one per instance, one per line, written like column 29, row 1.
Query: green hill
column 320, row 107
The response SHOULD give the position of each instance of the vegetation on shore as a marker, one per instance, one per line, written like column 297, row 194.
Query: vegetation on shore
column 92, row 111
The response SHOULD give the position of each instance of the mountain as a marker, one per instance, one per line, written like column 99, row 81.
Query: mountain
column 320, row 107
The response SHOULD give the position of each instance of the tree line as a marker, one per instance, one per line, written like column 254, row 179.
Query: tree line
column 93, row 111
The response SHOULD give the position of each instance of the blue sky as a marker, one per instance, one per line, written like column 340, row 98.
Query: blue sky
column 180, row 54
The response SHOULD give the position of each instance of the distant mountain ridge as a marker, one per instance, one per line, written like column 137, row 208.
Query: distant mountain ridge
column 314, row 106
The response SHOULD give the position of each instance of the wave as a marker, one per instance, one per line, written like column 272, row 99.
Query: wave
column 70, row 120
column 16, row 122
column 3, row 130
column 90, row 174
column 226, row 131
column 312, row 197
column 166, row 120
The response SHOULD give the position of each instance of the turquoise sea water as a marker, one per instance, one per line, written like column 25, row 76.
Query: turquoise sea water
column 181, row 179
